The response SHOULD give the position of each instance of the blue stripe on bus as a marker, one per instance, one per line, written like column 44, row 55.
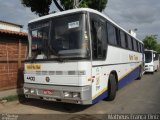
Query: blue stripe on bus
column 124, row 81
column 100, row 97
column 128, row 78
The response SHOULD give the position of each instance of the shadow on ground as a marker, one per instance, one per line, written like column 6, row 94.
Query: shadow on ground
column 56, row 106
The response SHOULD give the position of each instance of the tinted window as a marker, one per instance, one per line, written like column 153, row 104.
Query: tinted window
column 138, row 47
column 135, row 44
column 129, row 42
column 156, row 56
column 111, row 34
column 99, row 41
column 122, row 37
column 142, row 48
column 148, row 56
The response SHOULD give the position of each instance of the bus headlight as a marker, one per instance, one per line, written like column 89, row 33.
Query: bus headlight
column 76, row 95
column 67, row 94
column 32, row 91
column 26, row 90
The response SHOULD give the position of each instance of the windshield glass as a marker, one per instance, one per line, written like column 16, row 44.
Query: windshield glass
column 60, row 37
column 39, row 36
column 148, row 56
column 69, row 37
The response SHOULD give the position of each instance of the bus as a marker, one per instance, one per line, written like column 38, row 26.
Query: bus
column 151, row 61
column 80, row 56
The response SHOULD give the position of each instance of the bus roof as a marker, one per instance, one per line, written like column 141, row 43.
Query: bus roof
column 80, row 10
column 150, row 50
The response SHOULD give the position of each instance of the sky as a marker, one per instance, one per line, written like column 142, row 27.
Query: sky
column 143, row 15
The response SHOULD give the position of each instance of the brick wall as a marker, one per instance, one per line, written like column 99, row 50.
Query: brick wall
column 12, row 55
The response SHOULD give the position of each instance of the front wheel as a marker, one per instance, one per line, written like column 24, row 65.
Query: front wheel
column 112, row 88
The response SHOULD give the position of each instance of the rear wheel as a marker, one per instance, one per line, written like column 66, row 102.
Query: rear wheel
column 112, row 88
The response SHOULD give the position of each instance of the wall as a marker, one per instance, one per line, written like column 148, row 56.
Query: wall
column 12, row 56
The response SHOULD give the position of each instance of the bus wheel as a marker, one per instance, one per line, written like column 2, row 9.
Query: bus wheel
column 112, row 88
column 140, row 74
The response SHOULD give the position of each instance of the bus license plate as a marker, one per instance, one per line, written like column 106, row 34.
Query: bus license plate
column 48, row 92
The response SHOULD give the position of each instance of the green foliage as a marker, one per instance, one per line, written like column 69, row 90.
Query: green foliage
column 158, row 48
column 150, row 42
column 10, row 98
column 42, row 7
column 94, row 4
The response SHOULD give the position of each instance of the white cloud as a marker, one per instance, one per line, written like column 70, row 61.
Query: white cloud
column 141, row 14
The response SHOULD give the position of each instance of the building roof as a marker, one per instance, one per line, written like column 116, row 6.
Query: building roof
column 20, row 34
column 21, row 26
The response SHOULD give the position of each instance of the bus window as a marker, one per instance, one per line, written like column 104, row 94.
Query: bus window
column 111, row 34
column 155, row 57
column 99, row 42
column 130, row 44
column 118, row 37
column 123, row 41
column 148, row 56
column 135, row 45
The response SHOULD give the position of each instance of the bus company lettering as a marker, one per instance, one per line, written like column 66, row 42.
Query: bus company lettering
column 133, row 57
column 33, row 67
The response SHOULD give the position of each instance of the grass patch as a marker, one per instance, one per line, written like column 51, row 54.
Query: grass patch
column 10, row 98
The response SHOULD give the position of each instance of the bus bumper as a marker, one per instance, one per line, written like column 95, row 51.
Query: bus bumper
column 66, row 94
column 149, row 69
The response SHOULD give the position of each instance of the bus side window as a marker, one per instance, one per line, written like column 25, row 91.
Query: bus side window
column 135, row 45
column 130, row 44
column 99, row 42
column 112, row 34
column 122, row 37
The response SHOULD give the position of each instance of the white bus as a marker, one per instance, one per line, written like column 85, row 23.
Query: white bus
column 151, row 61
column 79, row 56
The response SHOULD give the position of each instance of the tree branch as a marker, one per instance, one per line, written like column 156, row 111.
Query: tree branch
column 58, row 6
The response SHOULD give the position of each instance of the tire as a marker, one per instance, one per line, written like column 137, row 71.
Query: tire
column 112, row 88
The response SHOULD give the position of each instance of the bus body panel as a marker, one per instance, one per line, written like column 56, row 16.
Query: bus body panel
column 73, row 74
column 125, row 63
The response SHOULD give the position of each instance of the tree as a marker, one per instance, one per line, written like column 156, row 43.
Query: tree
column 42, row 7
column 150, row 42
column 158, row 48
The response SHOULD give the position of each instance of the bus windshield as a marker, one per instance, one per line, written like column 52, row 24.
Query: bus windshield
column 64, row 37
column 68, row 34
column 148, row 56
column 39, row 37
